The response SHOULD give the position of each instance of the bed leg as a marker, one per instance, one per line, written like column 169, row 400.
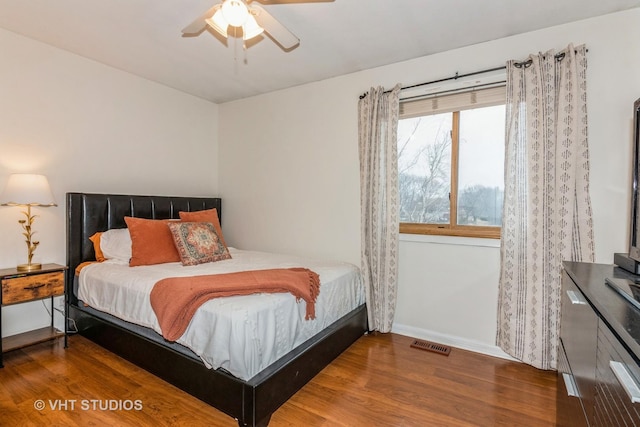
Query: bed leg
column 264, row 422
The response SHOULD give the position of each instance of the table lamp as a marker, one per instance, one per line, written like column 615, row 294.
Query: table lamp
column 27, row 190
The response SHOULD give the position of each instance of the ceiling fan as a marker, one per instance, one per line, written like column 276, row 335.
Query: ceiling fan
column 252, row 18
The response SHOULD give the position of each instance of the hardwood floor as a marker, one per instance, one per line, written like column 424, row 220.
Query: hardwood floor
column 378, row 381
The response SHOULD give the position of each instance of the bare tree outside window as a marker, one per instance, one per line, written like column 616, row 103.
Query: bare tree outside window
column 450, row 170
column 424, row 162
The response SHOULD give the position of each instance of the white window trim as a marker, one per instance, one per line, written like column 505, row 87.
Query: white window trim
column 450, row 240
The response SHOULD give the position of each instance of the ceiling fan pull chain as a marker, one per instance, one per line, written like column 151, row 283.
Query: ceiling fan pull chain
column 235, row 50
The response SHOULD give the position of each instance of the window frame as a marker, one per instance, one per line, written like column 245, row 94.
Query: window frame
column 452, row 228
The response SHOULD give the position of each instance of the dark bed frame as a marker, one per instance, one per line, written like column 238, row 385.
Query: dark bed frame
column 250, row 402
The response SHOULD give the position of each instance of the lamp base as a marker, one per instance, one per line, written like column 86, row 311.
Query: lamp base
column 29, row 267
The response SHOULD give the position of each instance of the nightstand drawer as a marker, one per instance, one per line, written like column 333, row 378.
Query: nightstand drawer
column 32, row 287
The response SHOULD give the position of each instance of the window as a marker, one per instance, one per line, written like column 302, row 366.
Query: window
column 451, row 164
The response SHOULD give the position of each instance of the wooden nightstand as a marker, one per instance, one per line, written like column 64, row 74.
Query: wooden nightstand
column 24, row 286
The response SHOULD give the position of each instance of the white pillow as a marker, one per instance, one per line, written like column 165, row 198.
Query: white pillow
column 116, row 244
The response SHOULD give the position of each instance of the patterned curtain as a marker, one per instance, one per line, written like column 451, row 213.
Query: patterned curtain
column 378, row 129
column 547, row 208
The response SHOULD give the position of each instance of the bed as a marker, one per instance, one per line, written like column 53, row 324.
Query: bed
column 249, row 395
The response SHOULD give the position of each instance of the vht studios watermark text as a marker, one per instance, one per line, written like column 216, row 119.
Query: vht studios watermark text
column 88, row 405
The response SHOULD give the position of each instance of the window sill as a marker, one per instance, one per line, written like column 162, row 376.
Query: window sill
column 483, row 232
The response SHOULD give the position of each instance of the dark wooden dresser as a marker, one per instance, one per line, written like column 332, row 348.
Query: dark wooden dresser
column 599, row 350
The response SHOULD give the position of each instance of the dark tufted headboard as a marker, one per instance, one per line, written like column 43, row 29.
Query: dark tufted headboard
column 89, row 213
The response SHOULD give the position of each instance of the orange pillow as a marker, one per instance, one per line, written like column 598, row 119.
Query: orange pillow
column 151, row 241
column 207, row 215
column 95, row 239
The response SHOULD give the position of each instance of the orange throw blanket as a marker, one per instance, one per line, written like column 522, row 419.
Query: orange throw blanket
column 176, row 299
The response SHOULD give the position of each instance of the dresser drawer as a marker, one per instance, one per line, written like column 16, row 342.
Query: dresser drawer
column 617, row 381
column 569, row 405
column 579, row 336
column 32, row 287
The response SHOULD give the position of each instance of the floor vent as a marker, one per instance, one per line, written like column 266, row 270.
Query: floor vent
column 431, row 346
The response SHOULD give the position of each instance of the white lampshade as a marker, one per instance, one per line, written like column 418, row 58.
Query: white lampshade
column 235, row 12
column 218, row 23
column 251, row 29
column 27, row 190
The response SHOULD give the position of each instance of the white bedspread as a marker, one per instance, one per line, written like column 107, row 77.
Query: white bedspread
column 242, row 334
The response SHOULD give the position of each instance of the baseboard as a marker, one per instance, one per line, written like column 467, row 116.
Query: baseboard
column 454, row 341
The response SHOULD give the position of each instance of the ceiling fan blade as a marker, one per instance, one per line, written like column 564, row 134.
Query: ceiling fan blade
column 197, row 26
column 278, row 32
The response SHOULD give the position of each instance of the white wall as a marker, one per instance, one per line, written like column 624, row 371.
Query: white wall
column 91, row 128
column 289, row 173
column 289, row 161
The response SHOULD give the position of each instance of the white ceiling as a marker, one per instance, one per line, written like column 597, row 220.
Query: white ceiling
column 337, row 37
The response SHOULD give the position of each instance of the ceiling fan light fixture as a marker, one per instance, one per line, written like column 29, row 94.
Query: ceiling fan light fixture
column 218, row 23
column 251, row 29
column 252, row 20
column 235, row 12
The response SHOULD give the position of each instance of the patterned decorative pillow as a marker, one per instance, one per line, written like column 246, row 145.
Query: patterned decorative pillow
column 207, row 215
column 198, row 242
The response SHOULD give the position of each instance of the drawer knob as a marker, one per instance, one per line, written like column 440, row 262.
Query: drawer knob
column 32, row 287
column 626, row 380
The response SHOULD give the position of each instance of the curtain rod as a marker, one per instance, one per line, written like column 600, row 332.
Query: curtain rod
column 454, row 77
column 452, row 91
column 526, row 63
